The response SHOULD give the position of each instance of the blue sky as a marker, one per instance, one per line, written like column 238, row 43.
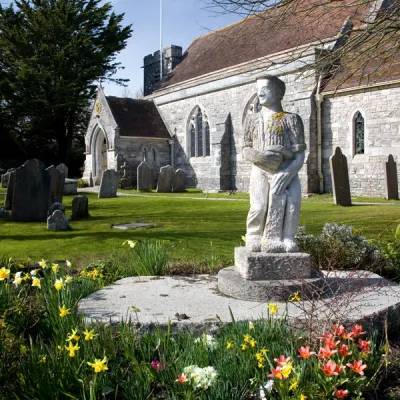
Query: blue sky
column 183, row 21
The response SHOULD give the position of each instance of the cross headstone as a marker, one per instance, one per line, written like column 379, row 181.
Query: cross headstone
column 80, row 207
column 63, row 168
column 10, row 190
column 178, row 182
column 392, row 185
column 31, row 192
column 340, row 178
column 144, row 177
column 57, row 180
column 109, row 184
column 165, row 179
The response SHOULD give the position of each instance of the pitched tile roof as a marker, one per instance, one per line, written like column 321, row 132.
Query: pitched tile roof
column 137, row 118
column 276, row 30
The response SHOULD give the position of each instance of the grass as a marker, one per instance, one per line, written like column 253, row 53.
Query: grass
column 192, row 229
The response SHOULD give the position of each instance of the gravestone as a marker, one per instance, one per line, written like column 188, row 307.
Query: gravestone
column 144, row 177
column 126, row 181
column 31, row 192
column 109, row 184
column 57, row 180
column 340, row 178
column 57, row 222
column 70, row 186
column 165, row 179
column 392, row 186
column 63, row 168
column 178, row 182
column 91, row 183
column 10, row 190
column 4, row 214
column 6, row 177
column 80, row 207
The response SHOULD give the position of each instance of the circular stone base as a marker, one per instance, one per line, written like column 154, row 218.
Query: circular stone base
column 231, row 283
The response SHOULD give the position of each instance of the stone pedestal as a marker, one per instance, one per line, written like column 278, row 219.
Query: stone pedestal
column 269, row 276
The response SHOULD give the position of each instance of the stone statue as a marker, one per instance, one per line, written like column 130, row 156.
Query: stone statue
column 274, row 143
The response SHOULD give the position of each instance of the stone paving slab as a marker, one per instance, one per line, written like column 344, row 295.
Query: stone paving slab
column 350, row 297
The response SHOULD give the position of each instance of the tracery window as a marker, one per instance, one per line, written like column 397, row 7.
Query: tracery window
column 359, row 133
column 199, row 141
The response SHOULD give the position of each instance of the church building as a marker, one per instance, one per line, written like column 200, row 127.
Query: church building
column 193, row 118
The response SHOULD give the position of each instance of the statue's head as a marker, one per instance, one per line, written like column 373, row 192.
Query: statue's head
column 270, row 89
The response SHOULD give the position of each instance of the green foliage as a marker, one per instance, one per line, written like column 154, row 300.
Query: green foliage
column 53, row 52
column 82, row 183
column 392, row 251
column 339, row 248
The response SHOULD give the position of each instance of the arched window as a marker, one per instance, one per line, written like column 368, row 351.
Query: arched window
column 154, row 155
column 359, row 133
column 199, row 142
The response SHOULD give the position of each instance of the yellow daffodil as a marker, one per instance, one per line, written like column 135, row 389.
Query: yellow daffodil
column 302, row 397
column 130, row 243
column 263, row 351
column 286, row 370
column 26, row 277
column 72, row 348
column 247, row 338
column 4, row 273
column 17, row 278
column 244, row 239
column 42, row 263
column 294, row 297
column 260, row 364
column 252, row 343
column 244, row 347
column 68, row 263
column 229, row 345
column 251, row 325
column 273, row 308
column 43, row 360
column 294, row 384
column 36, row 282
column 83, row 273
column 73, row 336
column 23, row 349
column 55, row 267
column 64, row 311
column 260, row 357
column 59, row 284
column 68, row 278
column 89, row 335
column 99, row 365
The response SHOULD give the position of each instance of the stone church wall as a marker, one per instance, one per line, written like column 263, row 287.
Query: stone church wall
column 380, row 108
column 225, row 110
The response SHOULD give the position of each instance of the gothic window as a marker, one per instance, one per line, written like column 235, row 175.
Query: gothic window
column 154, row 155
column 199, row 134
column 359, row 132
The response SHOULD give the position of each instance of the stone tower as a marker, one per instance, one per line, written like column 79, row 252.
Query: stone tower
column 172, row 56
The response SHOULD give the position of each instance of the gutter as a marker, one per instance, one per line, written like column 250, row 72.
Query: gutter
column 319, row 98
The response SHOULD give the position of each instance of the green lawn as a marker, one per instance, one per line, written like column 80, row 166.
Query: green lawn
column 195, row 230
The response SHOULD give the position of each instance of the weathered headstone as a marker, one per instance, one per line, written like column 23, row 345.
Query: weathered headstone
column 10, row 190
column 6, row 177
column 58, row 222
column 109, row 184
column 392, row 185
column 340, row 178
column 54, row 207
column 126, row 181
column 4, row 214
column 178, row 182
column 80, row 207
column 31, row 192
column 144, row 177
column 57, row 180
column 63, row 168
column 165, row 179
column 91, row 183
column 70, row 187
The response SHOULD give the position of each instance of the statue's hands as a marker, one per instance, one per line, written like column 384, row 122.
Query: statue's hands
column 280, row 182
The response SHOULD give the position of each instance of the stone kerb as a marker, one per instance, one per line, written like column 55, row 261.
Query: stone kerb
column 31, row 192
column 109, row 184
column 340, row 178
column 391, row 179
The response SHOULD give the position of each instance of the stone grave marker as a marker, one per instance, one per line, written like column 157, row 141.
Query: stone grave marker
column 91, row 183
column 109, row 184
column 57, row 180
column 31, row 192
column 340, row 178
column 10, row 190
column 165, row 179
column 63, row 168
column 58, row 222
column 80, row 207
column 178, row 182
column 392, row 186
column 54, row 207
column 70, row 186
column 144, row 177
column 6, row 177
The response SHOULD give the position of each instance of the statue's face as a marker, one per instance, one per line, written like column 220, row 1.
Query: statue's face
column 268, row 92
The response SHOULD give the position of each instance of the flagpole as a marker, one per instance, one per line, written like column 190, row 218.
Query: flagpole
column 161, row 44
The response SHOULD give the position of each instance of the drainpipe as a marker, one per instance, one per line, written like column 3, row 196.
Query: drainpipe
column 319, row 98
column 172, row 149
